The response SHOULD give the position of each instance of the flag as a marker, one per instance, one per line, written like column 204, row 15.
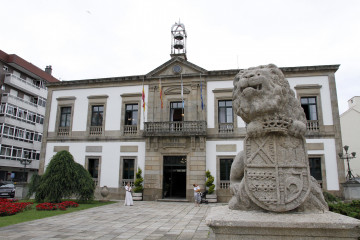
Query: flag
column 160, row 89
column 202, row 102
column 182, row 92
column 143, row 97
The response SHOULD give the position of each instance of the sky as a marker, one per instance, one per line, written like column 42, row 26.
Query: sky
column 85, row 39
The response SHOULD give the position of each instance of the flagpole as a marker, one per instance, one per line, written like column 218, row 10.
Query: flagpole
column 143, row 98
column 182, row 97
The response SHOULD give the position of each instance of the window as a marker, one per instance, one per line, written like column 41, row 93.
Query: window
column 309, row 106
column 315, row 168
column 93, row 167
column 225, row 114
column 97, row 115
column 131, row 114
column 225, row 111
column 65, row 117
column 176, row 111
column 128, row 169
column 225, row 166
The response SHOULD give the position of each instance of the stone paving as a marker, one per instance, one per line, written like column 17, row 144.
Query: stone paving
column 144, row 220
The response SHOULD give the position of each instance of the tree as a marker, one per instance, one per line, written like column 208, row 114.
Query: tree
column 138, row 182
column 65, row 178
column 209, row 182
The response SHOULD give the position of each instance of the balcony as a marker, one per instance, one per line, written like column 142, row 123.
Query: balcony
column 186, row 128
column 20, row 102
column 312, row 126
column 130, row 130
column 226, row 127
column 63, row 131
column 25, row 85
column 95, row 130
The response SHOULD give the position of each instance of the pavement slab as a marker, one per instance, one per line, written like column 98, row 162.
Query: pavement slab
column 144, row 220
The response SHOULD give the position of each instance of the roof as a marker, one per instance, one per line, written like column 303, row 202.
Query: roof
column 25, row 66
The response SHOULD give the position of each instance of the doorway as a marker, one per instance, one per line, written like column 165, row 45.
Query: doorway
column 174, row 177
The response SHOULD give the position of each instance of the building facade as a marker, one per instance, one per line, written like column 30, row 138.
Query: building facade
column 177, row 122
column 22, row 113
column 349, row 120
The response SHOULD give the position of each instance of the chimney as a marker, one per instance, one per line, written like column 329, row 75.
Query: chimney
column 48, row 69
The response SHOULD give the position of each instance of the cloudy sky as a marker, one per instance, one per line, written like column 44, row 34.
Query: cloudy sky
column 96, row 39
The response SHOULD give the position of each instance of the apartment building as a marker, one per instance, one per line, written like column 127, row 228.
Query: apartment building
column 22, row 113
column 176, row 122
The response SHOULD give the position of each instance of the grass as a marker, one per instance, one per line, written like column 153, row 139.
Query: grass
column 33, row 214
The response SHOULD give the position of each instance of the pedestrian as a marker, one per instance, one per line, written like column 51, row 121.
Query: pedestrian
column 128, row 197
column 197, row 195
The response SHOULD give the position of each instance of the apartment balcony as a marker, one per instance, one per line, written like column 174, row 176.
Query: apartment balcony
column 22, row 103
column 186, row 128
column 25, row 85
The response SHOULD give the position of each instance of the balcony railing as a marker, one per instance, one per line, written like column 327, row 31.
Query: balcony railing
column 224, row 184
column 63, row 131
column 95, row 130
column 226, row 127
column 186, row 128
column 130, row 181
column 25, row 85
column 312, row 125
column 130, row 129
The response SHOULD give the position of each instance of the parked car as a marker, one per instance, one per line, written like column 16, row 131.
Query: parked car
column 7, row 190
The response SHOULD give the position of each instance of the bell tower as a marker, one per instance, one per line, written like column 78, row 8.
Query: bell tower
column 178, row 40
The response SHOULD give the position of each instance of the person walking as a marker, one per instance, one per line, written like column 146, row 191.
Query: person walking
column 197, row 195
column 128, row 196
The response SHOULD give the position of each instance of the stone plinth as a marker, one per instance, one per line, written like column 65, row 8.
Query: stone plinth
column 236, row 224
column 351, row 190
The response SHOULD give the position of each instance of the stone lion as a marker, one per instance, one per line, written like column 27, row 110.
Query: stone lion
column 263, row 92
column 263, row 99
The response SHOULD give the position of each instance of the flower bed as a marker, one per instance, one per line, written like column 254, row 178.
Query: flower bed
column 54, row 206
column 11, row 206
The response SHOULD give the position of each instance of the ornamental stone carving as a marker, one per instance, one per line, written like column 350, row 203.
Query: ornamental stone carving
column 272, row 172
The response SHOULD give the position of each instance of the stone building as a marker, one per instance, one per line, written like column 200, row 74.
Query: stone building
column 22, row 112
column 187, row 126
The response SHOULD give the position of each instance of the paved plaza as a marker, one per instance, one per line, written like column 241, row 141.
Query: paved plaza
column 144, row 220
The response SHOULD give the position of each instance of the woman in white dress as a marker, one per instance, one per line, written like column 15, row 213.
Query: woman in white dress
column 197, row 195
column 128, row 197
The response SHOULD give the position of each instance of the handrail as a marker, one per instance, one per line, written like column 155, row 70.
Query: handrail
column 189, row 128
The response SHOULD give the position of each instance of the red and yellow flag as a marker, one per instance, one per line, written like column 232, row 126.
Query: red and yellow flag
column 143, row 97
column 160, row 89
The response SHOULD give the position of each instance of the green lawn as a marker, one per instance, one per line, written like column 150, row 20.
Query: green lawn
column 33, row 214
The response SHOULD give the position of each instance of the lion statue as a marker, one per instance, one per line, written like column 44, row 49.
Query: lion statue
column 263, row 99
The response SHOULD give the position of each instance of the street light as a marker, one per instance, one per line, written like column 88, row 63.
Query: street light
column 25, row 161
column 348, row 156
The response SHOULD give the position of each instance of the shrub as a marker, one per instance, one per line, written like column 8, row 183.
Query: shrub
column 54, row 206
column 348, row 209
column 209, row 182
column 33, row 185
column 11, row 207
column 64, row 178
column 138, row 182
column 329, row 198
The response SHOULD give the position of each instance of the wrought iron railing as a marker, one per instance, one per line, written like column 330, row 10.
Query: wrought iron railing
column 185, row 128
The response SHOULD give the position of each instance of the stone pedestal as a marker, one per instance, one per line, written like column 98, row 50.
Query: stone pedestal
column 21, row 190
column 137, row 196
column 235, row 224
column 211, row 198
column 351, row 190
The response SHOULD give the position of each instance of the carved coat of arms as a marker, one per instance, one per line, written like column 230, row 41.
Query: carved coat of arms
column 276, row 172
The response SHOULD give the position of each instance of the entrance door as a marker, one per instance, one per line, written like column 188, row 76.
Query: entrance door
column 174, row 177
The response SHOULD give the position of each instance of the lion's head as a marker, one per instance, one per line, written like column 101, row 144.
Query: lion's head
column 263, row 92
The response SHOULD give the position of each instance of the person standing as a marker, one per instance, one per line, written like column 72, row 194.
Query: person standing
column 128, row 196
column 197, row 195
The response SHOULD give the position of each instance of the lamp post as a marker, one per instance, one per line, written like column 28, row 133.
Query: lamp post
column 25, row 161
column 348, row 156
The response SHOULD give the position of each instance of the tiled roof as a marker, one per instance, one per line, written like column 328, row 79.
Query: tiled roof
column 13, row 59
